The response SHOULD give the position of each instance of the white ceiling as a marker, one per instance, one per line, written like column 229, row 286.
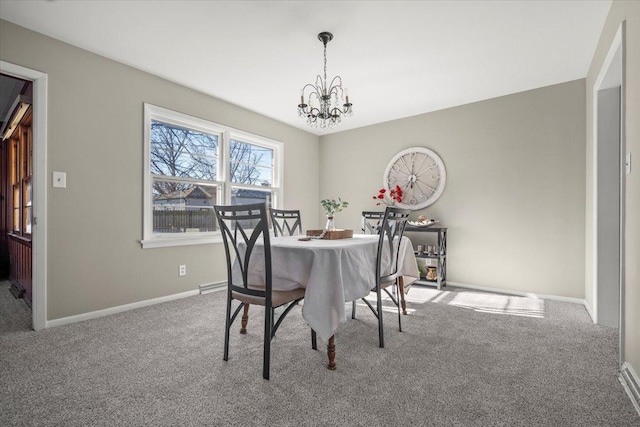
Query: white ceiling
column 398, row 58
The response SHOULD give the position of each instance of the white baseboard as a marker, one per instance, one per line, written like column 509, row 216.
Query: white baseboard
column 519, row 293
column 118, row 309
column 631, row 384
column 590, row 311
column 213, row 287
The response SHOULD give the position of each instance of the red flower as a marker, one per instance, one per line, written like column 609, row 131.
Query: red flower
column 394, row 195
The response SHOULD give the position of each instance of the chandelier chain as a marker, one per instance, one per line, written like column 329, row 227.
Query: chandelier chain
column 325, row 66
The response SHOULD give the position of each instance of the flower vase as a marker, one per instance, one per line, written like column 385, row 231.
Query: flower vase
column 331, row 226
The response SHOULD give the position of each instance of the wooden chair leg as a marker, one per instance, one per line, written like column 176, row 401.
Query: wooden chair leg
column 331, row 353
column 314, row 340
column 245, row 319
column 353, row 310
column 402, row 301
column 397, row 289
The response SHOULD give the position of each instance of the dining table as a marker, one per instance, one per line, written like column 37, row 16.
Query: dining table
column 333, row 273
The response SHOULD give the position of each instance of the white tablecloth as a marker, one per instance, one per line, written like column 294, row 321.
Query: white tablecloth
column 332, row 272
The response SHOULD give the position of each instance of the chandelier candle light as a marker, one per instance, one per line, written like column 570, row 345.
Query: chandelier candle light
column 323, row 100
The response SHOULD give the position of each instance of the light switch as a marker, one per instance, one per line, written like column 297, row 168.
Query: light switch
column 60, row 179
column 627, row 163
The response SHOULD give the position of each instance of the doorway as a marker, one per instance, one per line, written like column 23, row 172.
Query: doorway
column 609, row 149
column 16, row 186
column 33, row 215
column 609, row 207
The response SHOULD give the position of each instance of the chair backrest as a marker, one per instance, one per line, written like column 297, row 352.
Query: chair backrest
column 391, row 230
column 286, row 222
column 371, row 221
column 242, row 226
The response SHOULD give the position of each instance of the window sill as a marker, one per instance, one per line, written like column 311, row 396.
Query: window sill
column 166, row 242
column 27, row 237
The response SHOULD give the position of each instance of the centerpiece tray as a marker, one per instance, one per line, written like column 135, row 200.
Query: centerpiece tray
column 333, row 234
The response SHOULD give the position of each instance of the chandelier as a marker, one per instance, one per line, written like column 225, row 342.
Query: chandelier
column 322, row 103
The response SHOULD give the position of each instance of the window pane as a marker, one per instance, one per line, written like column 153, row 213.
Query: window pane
column 26, row 212
column 242, row 196
column 176, row 151
column 29, row 149
column 183, row 208
column 27, row 220
column 16, row 208
column 250, row 164
column 15, row 162
column 27, row 193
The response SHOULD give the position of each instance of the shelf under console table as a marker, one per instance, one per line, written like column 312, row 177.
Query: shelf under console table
column 440, row 254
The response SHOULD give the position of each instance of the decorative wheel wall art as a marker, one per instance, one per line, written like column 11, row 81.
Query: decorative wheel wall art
column 421, row 175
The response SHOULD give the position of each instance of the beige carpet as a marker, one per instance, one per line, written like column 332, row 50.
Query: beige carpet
column 464, row 358
column 15, row 315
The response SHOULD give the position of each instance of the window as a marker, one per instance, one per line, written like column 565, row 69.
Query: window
column 20, row 174
column 192, row 164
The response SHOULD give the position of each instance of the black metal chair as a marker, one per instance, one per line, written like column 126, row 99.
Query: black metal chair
column 242, row 227
column 286, row 222
column 391, row 231
column 371, row 221
column 371, row 224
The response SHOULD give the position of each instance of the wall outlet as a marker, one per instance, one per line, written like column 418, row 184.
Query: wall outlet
column 183, row 270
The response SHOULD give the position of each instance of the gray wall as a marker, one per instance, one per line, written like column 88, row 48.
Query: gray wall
column 95, row 135
column 621, row 11
column 514, row 197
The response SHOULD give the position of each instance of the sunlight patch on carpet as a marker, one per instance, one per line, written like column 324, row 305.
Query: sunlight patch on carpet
column 499, row 304
column 481, row 302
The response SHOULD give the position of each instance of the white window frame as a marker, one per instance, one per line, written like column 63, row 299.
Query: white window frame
column 225, row 135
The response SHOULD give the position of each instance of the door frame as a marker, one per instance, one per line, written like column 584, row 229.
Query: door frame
column 618, row 44
column 39, row 235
